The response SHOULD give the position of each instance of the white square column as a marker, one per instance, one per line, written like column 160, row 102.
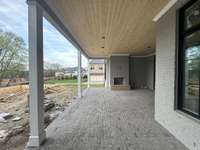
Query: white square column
column 79, row 75
column 88, row 74
column 36, row 109
column 107, row 83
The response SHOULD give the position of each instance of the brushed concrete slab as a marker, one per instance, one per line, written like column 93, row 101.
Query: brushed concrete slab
column 110, row 120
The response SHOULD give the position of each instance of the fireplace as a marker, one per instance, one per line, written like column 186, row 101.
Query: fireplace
column 118, row 81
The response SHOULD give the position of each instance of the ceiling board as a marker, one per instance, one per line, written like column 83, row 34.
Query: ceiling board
column 106, row 27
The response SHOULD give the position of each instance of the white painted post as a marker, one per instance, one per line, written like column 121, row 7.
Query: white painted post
column 106, row 79
column 36, row 109
column 105, row 68
column 88, row 73
column 79, row 75
column 107, row 73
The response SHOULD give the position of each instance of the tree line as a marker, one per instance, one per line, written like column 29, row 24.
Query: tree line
column 14, row 58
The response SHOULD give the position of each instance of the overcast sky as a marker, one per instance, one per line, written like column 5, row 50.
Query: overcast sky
column 14, row 18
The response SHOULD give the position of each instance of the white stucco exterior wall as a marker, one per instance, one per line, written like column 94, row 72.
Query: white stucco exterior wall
column 183, row 127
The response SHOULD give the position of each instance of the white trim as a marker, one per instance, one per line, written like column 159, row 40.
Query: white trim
column 164, row 10
column 144, row 56
column 98, row 57
column 119, row 55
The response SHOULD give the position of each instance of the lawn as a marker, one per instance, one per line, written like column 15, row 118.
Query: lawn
column 68, row 82
column 72, row 83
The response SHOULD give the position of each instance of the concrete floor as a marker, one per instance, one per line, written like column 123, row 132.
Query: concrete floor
column 110, row 120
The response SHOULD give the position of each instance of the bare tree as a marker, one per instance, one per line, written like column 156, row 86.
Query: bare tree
column 51, row 68
column 13, row 55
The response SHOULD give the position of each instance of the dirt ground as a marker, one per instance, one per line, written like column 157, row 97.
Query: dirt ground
column 16, row 104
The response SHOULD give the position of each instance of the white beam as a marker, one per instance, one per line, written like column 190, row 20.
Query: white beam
column 119, row 55
column 164, row 10
column 79, row 75
column 35, row 30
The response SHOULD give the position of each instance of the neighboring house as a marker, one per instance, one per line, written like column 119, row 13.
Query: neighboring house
column 74, row 73
column 70, row 72
column 97, row 71
column 67, row 74
column 60, row 75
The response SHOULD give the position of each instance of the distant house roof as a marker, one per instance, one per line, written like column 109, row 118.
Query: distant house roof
column 97, row 61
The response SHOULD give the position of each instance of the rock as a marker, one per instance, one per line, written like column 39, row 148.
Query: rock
column 47, row 120
column 5, row 115
column 26, row 110
column 3, row 135
column 54, row 115
column 57, row 107
column 16, row 119
column 12, row 94
column 18, row 127
column 17, row 130
column 2, row 120
column 48, row 105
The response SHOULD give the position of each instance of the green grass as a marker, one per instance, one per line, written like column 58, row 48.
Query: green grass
column 65, row 82
column 97, row 85
column 61, row 81
column 72, row 83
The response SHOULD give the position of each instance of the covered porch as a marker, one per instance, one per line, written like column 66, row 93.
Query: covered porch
column 140, row 42
column 105, row 120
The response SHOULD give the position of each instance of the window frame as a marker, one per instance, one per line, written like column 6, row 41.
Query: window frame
column 182, row 33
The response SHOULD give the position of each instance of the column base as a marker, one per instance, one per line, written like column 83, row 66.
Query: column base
column 34, row 142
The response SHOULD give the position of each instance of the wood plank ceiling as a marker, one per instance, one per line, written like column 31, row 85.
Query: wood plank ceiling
column 106, row 27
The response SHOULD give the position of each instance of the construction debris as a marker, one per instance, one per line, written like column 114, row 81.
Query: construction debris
column 54, row 115
column 5, row 115
column 3, row 135
column 2, row 120
column 48, row 105
column 16, row 119
column 14, row 110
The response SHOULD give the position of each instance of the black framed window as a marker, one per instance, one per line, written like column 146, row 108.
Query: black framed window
column 189, row 59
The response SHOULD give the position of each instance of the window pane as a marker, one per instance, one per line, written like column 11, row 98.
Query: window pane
column 191, row 98
column 192, row 15
column 191, row 88
column 191, row 74
column 192, row 46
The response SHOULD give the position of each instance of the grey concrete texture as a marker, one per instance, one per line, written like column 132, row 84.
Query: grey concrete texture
column 110, row 120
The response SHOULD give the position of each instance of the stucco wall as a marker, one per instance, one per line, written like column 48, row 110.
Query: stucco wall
column 184, row 128
column 142, row 72
column 150, row 72
column 119, row 67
